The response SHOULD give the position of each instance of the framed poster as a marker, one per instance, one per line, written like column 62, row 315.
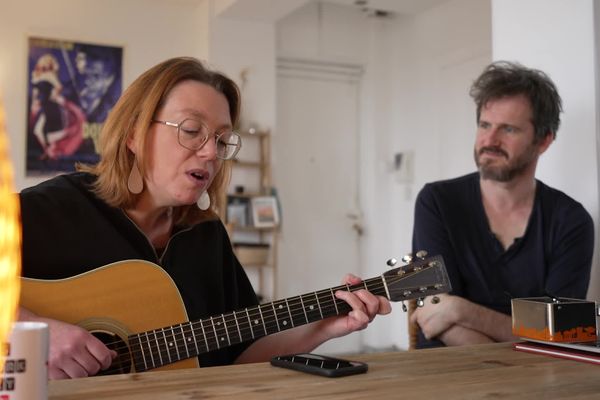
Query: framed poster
column 265, row 212
column 71, row 88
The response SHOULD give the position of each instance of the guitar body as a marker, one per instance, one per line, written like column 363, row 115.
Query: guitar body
column 119, row 299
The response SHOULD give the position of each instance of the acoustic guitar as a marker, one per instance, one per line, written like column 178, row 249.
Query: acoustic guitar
column 135, row 308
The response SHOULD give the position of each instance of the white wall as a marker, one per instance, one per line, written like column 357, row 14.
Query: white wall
column 557, row 36
column 241, row 45
column 324, row 32
column 149, row 30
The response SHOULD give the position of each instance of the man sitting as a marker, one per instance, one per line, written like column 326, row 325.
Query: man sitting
column 502, row 233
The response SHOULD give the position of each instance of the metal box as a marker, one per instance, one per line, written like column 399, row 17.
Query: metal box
column 554, row 319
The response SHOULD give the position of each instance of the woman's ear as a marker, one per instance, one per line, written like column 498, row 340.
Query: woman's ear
column 131, row 143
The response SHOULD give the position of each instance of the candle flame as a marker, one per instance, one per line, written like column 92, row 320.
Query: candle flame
column 10, row 240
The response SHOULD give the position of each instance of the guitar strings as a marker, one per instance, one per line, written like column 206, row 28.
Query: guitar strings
column 182, row 349
column 244, row 328
column 328, row 307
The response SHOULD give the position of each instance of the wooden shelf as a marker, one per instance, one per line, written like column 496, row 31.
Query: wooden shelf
column 255, row 228
column 256, row 265
column 245, row 195
column 252, row 254
column 258, row 134
column 248, row 164
column 249, row 257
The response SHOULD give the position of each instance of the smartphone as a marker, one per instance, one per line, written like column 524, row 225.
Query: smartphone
column 319, row 365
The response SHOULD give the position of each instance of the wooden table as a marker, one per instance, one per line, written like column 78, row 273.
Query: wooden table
column 471, row 372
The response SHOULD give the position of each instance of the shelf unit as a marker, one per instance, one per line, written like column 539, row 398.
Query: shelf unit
column 255, row 247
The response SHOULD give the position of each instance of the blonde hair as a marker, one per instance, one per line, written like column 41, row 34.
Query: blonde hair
column 134, row 113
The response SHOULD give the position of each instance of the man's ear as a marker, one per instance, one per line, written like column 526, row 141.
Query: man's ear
column 544, row 143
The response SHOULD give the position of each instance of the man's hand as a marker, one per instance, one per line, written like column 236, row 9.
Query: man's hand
column 455, row 320
column 435, row 318
column 458, row 335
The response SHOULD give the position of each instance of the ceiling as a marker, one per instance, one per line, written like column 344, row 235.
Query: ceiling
column 261, row 10
column 272, row 10
column 395, row 6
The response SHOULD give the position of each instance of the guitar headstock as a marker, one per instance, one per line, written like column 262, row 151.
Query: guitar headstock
column 419, row 278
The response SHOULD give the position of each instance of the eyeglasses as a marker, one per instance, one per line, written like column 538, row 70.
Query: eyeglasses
column 193, row 135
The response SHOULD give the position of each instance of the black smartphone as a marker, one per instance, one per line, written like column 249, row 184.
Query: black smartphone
column 319, row 365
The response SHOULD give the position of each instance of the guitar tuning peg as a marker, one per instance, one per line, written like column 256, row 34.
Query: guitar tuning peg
column 404, row 308
column 391, row 262
column 407, row 258
column 420, row 302
column 421, row 254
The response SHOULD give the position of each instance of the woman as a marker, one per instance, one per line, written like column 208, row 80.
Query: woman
column 162, row 167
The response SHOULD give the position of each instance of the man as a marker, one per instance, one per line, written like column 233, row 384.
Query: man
column 502, row 233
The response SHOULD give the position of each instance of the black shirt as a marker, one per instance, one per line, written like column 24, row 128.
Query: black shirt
column 67, row 230
column 553, row 257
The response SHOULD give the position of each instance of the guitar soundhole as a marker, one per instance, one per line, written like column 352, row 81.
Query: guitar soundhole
column 122, row 363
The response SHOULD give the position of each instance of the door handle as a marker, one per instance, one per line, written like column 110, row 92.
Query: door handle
column 358, row 228
column 353, row 216
column 357, row 223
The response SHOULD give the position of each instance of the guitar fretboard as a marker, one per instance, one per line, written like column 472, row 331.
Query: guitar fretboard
column 155, row 348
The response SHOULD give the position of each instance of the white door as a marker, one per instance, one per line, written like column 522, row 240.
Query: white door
column 315, row 172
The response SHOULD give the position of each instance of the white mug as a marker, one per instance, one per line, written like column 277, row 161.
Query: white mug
column 25, row 372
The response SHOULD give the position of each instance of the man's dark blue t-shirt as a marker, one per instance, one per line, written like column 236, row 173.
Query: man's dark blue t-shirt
column 553, row 257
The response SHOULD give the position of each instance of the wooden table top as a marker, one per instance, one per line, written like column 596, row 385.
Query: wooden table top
column 493, row 371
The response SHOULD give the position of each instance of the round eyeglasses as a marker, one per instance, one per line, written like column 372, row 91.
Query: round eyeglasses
column 193, row 135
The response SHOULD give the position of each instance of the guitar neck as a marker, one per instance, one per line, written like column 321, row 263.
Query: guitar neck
column 155, row 348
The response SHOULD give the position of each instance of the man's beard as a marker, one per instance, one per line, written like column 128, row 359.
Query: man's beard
column 507, row 172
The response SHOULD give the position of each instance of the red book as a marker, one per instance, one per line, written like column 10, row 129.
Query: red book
column 560, row 352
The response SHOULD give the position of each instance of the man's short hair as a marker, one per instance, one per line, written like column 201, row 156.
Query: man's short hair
column 503, row 78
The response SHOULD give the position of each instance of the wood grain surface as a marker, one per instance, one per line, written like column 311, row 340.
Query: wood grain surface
column 493, row 371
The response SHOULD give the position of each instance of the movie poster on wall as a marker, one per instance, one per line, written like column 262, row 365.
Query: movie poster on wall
column 71, row 88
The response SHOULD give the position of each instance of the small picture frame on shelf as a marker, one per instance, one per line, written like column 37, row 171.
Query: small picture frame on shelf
column 238, row 211
column 265, row 213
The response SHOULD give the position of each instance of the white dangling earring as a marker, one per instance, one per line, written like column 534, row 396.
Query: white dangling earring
column 204, row 201
column 135, row 183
